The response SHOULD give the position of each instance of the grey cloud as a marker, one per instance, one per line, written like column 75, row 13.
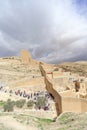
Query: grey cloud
column 52, row 30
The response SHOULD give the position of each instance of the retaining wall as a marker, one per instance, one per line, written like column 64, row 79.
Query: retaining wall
column 64, row 103
column 50, row 89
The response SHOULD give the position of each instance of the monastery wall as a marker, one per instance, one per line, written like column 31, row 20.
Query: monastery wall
column 32, row 84
column 49, row 75
column 26, row 57
column 57, row 74
column 57, row 97
column 86, row 84
column 51, row 90
column 68, row 93
column 83, row 105
column 70, row 104
column 60, row 81
column 64, row 103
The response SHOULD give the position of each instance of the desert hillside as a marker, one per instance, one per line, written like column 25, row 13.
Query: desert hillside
column 24, row 79
column 14, row 73
column 66, row 121
column 75, row 67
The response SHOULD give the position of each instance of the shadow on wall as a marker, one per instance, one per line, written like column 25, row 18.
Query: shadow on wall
column 50, row 89
column 64, row 103
column 57, row 97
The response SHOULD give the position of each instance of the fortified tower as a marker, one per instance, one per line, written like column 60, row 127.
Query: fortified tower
column 26, row 57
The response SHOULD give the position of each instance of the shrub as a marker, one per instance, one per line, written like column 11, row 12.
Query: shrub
column 30, row 104
column 2, row 103
column 41, row 102
column 9, row 105
column 20, row 103
column 56, row 69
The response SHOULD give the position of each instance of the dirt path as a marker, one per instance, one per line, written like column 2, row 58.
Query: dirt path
column 10, row 122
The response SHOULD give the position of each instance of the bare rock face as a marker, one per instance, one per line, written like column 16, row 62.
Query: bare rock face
column 26, row 57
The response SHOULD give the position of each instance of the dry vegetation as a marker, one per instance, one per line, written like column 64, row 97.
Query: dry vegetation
column 66, row 121
column 75, row 67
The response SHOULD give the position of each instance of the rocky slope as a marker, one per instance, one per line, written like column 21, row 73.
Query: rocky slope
column 66, row 121
column 75, row 67
column 14, row 73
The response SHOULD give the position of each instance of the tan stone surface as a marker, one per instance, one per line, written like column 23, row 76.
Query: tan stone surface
column 68, row 101
column 27, row 75
column 34, row 84
column 26, row 57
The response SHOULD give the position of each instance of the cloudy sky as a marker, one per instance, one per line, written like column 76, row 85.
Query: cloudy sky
column 52, row 30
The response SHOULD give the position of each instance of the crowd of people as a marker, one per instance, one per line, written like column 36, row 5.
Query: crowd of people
column 29, row 95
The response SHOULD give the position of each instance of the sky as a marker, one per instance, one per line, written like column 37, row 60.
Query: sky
column 53, row 31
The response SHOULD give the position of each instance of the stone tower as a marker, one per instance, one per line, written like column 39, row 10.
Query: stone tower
column 26, row 57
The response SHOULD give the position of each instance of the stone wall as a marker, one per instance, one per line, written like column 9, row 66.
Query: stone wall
column 26, row 57
column 83, row 105
column 70, row 104
column 57, row 74
column 64, row 102
column 50, row 89
column 57, row 97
